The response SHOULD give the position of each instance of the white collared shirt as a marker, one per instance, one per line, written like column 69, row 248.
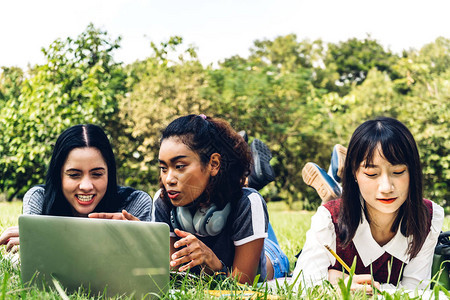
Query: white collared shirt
column 312, row 265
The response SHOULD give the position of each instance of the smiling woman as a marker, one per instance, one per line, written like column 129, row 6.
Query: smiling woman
column 84, row 179
column 81, row 180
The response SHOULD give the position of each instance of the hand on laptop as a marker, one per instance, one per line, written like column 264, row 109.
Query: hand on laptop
column 195, row 253
column 124, row 215
column 10, row 238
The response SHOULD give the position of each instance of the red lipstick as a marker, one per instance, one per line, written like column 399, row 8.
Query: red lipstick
column 387, row 200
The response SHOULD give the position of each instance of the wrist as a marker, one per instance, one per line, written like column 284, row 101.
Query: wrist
column 223, row 269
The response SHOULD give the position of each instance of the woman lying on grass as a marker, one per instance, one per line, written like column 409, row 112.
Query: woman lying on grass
column 217, row 225
column 81, row 179
column 381, row 217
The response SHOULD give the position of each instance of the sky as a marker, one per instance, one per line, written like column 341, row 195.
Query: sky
column 219, row 29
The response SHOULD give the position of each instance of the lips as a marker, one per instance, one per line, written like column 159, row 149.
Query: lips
column 387, row 200
column 173, row 194
column 85, row 199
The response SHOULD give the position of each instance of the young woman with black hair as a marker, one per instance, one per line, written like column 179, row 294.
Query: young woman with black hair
column 381, row 217
column 217, row 225
column 81, row 179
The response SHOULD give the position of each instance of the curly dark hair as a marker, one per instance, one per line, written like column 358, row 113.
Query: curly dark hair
column 206, row 136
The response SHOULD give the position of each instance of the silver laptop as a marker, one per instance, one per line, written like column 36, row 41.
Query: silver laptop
column 119, row 257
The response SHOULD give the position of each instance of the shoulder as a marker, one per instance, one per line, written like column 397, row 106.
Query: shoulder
column 437, row 215
column 333, row 207
column 33, row 200
column 136, row 202
column 35, row 191
column 249, row 220
column 251, row 199
column 322, row 220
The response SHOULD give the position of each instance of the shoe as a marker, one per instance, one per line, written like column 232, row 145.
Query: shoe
column 316, row 177
column 337, row 162
column 244, row 135
column 261, row 172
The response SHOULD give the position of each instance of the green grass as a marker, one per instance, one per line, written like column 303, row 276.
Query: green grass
column 290, row 227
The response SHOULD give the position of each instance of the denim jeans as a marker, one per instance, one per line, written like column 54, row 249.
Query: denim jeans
column 273, row 251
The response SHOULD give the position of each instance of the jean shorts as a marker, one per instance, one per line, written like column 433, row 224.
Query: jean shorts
column 279, row 260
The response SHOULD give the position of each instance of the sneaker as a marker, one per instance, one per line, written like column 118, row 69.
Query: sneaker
column 316, row 177
column 261, row 171
column 244, row 135
column 337, row 162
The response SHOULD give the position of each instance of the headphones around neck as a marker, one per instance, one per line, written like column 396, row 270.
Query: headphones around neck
column 208, row 221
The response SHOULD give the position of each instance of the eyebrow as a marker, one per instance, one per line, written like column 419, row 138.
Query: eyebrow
column 77, row 170
column 173, row 159
column 369, row 166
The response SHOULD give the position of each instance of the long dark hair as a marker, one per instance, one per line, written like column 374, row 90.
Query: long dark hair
column 205, row 136
column 399, row 147
column 79, row 136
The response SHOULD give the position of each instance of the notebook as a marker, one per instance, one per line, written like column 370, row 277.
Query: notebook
column 125, row 257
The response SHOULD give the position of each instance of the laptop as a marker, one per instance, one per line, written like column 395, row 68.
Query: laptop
column 119, row 257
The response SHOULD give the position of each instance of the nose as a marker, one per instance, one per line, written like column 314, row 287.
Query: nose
column 386, row 185
column 86, row 184
column 171, row 178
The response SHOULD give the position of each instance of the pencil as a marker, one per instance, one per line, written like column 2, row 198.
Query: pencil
column 338, row 258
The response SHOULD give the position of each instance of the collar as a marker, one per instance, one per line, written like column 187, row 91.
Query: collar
column 369, row 250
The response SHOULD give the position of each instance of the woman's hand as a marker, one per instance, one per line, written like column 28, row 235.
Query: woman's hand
column 124, row 215
column 359, row 281
column 194, row 253
column 362, row 282
column 10, row 238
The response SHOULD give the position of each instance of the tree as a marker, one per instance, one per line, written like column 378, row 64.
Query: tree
column 79, row 83
column 436, row 55
column 353, row 59
column 11, row 80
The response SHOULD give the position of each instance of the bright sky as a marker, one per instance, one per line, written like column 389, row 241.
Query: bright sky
column 219, row 29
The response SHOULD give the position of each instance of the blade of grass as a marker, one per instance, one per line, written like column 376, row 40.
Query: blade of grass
column 4, row 285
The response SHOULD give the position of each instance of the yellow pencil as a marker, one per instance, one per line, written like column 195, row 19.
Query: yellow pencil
column 338, row 258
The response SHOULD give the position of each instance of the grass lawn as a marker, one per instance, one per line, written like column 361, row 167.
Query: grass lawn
column 290, row 228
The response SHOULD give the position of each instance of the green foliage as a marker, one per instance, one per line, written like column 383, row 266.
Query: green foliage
column 11, row 80
column 353, row 59
column 299, row 97
column 79, row 83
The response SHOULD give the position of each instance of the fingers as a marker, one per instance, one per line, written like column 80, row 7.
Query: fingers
column 129, row 216
column 191, row 252
column 363, row 282
column 9, row 233
column 362, row 278
column 13, row 245
column 110, row 216
column 186, row 259
column 182, row 234
column 124, row 215
column 101, row 215
column 376, row 284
